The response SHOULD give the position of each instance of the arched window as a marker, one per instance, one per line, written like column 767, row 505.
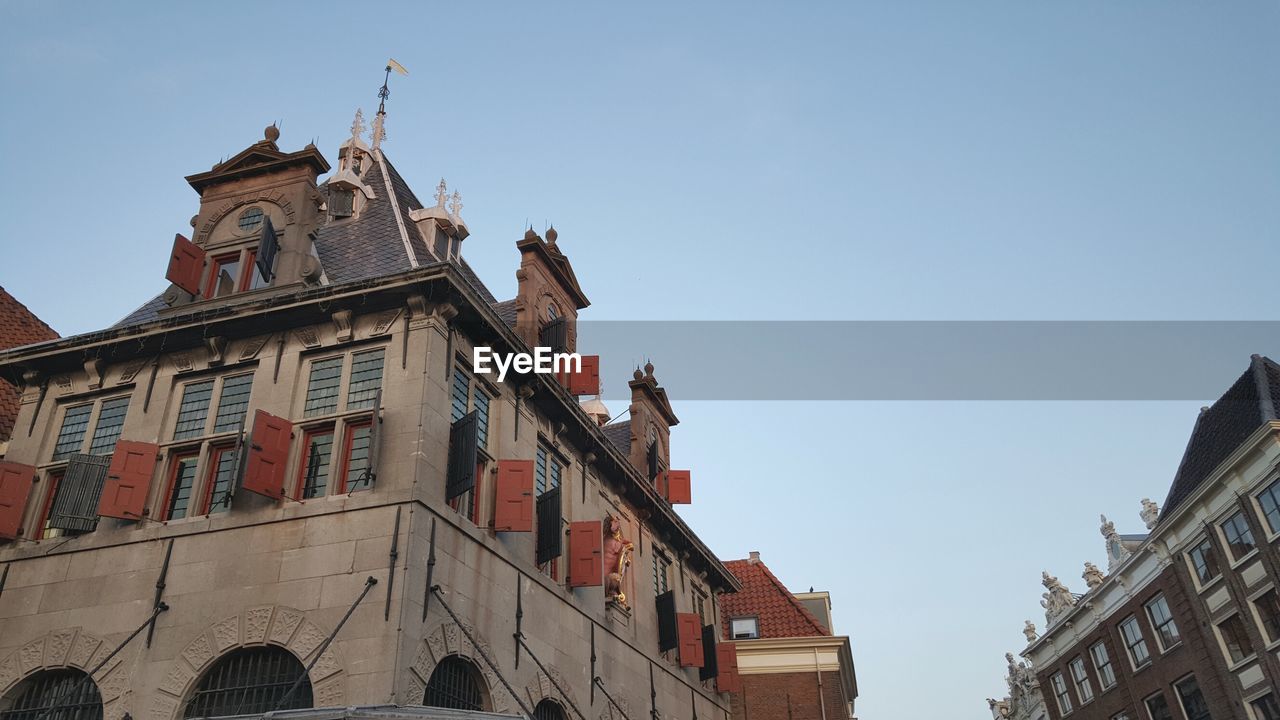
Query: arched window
column 53, row 695
column 455, row 683
column 250, row 681
column 548, row 709
column 552, row 311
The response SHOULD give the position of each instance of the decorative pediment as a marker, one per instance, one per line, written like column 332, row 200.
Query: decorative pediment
column 262, row 156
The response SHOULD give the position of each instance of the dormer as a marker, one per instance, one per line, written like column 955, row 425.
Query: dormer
column 651, row 421
column 443, row 228
column 346, row 193
column 258, row 211
column 548, row 297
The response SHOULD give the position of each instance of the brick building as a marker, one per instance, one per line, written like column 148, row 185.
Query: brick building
column 1186, row 621
column 279, row 484
column 792, row 666
column 18, row 326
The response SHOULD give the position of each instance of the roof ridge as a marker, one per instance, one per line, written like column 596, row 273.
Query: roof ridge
column 1262, row 386
column 395, row 206
column 8, row 297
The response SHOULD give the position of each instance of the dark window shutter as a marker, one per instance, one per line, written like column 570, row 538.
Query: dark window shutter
column 124, row 495
column 555, row 335
column 268, row 453
column 550, row 537
column 267, row 248
column 513, row 496
column 668, row 637
column 375, row 442
column 462, row 456
column 75, row 507
column 15, row 486
column 586, row 554
column 341, row 202
column 689, row 628
column 709, row 665
column 186, row 265
column 652, row 457
column 727, row 668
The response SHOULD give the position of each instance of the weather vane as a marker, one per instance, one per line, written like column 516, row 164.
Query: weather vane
column 384, row 92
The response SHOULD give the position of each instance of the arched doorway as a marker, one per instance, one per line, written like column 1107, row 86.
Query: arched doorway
column 62, row 694
column 249, row 681
column 548, row 709
column 456, row 683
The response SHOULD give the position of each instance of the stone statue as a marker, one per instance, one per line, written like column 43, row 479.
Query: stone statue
column 617, row 558
column 1150, row 513
column 999, row 708
column 1093, row 577
column 1030, row 631
column 1057, row 601
column 1116, row 551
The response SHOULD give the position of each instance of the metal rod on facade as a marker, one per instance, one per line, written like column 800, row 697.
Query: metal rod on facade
column 480, row 650
column 160, row 585
column 44, row 389
column 368, row 585
column 4, row 576
column 391, row 569
column 519, row 620
column 597, row 683
column 521, row 643
column 653, row 694
column 431, row 570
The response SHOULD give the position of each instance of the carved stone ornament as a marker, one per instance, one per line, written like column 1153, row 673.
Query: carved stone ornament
column 1092, row 576
column 1116, row 551
column 1029, row 630
column 217, row 346
column 63, row 383
column 94, row 368
column 182, row 362
column 309, row 337
column 132, row 369
column 342, row 325
column 1150, row 513
column 383, row 322
column 1058, row 601
column 253, row 347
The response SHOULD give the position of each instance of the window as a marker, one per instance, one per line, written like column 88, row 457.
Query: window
column 232, row 403
column 1239, row 536
column 1060, row 692
column 1080, row 677
column 700, row 605
column 221, row 481
column 1269, row 500
column 226, row 278
column 465, row 398
column 75, row 423
column 1193, row 704
column 548, row 709
column 1266, row 707
column 317, row 449
column 322, row 387
column 110, row 422
column 64, row 694
column 744, row 628
column 250, row 681
column 250, row 220
column 1133, row 640
column 366, row 379
column 1204, row 560
column 456, row 683
column 1234, row 639
column 1268, row 608
column 194, row 410
column 355, row 474
column 1102, row 664
column 47, row 531
column 1158, row 708
column 546, row 471
column 182, row 480
column 661, row 573
column 341, row 201
column 1122, row 715
column 1166, row 629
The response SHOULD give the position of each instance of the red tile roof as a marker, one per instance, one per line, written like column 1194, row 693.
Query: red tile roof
column 765, row 597
column 18, row 326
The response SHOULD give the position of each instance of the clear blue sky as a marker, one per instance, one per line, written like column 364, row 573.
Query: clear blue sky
column 1083, row 160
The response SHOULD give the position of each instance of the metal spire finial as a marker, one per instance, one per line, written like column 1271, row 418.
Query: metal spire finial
column 442, row 193
column 379, row 131
column 455, row 205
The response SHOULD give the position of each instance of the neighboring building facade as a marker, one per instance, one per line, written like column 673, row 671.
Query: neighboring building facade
column 1186, row 622
column 791, row 665
column 18, row 326
column 289, row 450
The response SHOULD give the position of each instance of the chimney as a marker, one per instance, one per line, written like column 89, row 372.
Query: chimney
column 755, row 557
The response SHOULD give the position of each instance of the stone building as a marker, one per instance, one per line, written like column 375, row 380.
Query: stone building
column 18, row 326
column 790, row 663
column 1185, row 623
column 287, row 461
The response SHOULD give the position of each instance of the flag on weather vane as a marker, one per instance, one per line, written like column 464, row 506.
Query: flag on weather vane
column 393, row 65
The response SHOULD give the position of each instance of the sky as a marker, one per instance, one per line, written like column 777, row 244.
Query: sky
column 1090, row 160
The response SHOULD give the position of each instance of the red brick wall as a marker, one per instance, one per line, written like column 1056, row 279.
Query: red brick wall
column 789, row 696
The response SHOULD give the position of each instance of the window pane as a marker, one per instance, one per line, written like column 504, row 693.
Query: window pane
column 661, row 574
column 74, row 425
column 1270, row 502
column 1158, row 707
column 461, row 394
column 1134, row 641
column 322, row 387
column 1205, row 561
column 1267, row 708
column 1235, row 639
column 358, row 459
column 110, row 421
column 226, row 273
column 184, row 478
column 1102, row 663
column 1081, row 677
column 1239, row 537
column 315, row 478
column 233, row 402
column 222, row 483
column 744, row 628
column 482, row 417
column 1060, row 692
column 1269, row 611
column 1162, row 621
column 366, row 378
column 1193, row 703
column 194, row 410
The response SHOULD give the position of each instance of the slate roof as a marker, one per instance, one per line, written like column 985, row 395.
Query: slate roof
column 18, row 326
column 619, row 434
column 507, row 311
column 764, row 596
column 1248, row 404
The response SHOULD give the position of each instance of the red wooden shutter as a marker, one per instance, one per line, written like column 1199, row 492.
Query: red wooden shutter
column 587, row 380
column 15, row 487
column 513, row 507
column 586, row 554
column 128, row 480
column 727, row 679
column 268, row 452
column 689, row 627
column 675, row 487
column 186, row 265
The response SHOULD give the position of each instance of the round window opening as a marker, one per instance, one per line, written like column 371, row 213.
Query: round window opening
column 250, row 219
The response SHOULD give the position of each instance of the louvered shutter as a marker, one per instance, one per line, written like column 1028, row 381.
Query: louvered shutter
column 463, row 456
column 268, row 453
column 675, row 487
column 550, row 536
column 668, row 635
column 186, row 265
column 128, row 480
column 268, row 245
column 513, row 496
column 652, row 457
column 75, row 506
column 587, row 380
column 586, row 549
column 375, row 438
column 727, row 679
column 555, row 335
column 15, row 487
column 710, row 662
column 689, row 627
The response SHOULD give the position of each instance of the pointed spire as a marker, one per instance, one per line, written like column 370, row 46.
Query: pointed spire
column 455, row 204
column 357, row 125
column 442, row 194
column 379, row 132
